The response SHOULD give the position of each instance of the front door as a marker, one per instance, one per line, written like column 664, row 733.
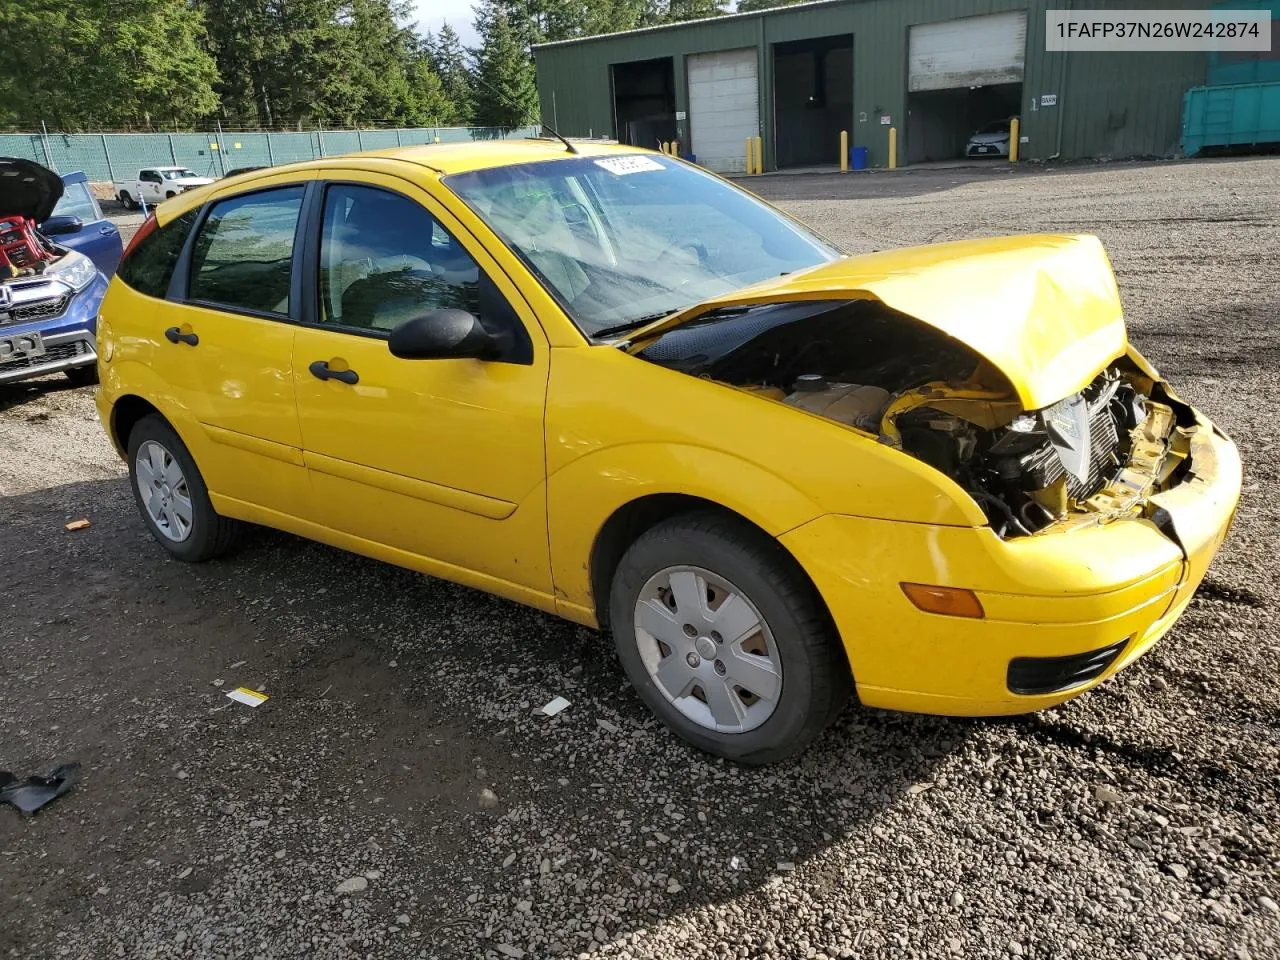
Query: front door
column 228, row 330
column 441, row 459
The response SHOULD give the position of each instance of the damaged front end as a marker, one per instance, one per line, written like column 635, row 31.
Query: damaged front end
column 1095, row 455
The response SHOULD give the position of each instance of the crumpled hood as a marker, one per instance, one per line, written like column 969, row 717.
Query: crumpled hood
column 1042, row 309
column 28, row 189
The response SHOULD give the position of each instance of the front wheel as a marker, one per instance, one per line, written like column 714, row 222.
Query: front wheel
column 726, row 640
column 169, row 194
column 171, row 495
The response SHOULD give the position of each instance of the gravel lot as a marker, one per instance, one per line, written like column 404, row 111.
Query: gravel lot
column 400, row 752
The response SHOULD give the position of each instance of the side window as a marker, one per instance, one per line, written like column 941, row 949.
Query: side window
column 243, row 255
column 150, row 176
column 384, row 259
column 150, row 264
column 76, row 201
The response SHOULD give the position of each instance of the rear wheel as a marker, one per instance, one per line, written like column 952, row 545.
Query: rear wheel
column 725, row 639
column 83, row 376
column 126, row 200
column 172, row 497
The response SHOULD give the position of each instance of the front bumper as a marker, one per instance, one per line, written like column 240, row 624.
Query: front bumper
column 69, row 339
column 1065, row 594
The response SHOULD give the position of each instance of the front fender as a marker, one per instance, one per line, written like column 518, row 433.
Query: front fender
column 585, row 493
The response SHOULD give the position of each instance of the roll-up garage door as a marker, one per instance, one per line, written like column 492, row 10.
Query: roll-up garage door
column 724, row 107
column 973, row 52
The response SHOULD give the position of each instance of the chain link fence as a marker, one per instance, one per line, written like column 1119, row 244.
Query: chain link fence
column 118, row 156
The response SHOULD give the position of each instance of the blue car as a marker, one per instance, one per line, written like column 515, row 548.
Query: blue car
column 49, row 293
column 77, row 223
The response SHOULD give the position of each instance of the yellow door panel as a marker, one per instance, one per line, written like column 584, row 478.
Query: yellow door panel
column 237, row 383
column 441, row 458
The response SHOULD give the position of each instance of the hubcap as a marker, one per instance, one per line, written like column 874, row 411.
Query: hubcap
column 708, row 650
column 163, row 490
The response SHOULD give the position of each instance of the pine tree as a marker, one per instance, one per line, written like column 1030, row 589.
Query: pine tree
column 506, row 94
column 104, row 63
column 450, row 62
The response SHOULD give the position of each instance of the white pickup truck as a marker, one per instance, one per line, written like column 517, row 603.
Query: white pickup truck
column 154, row 184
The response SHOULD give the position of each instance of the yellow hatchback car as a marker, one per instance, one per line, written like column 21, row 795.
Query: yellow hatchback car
column 612, row 386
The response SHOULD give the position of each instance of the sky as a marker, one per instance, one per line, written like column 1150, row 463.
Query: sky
column 432, row 13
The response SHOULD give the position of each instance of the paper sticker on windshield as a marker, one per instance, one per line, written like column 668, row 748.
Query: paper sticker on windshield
column 621, row 166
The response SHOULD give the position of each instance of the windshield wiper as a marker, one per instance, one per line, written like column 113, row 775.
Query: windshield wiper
column 606, row 332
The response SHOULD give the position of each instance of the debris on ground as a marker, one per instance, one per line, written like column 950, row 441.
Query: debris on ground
column 75, row 525
column 250, row 698
column 555, row 706
column 31, row 794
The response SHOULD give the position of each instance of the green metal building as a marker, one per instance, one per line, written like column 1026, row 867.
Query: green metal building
column 933, row 70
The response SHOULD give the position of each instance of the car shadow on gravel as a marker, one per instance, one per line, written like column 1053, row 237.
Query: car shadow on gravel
column 396, row 699
column 24, row 391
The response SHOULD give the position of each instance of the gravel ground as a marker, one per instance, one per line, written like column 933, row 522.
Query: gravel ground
column 398, row 795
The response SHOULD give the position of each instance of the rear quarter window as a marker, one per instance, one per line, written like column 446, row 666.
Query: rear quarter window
column 151, row 263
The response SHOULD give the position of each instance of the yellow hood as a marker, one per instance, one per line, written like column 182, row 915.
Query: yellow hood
column 1042, row 309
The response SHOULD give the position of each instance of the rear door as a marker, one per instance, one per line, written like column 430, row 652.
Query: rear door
column 225, row 339
column 443, row 459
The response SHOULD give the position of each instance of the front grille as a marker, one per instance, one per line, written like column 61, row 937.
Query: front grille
column 1031, row 676
column 61, row 351
column 38, row 310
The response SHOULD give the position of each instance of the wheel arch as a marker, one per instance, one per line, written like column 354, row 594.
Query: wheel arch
column 125, row 414
column 635, row 518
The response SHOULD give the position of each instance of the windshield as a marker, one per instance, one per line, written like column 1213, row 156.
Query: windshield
column 176, row 173
column 995, row 126
column 619, row 240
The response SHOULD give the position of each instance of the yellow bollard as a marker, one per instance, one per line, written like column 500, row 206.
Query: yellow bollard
column 1014, row 127
column 675, row 148
column 751, row 163
column 844, row 151
column 662, row 146
column 893, row 148
column 759, row 155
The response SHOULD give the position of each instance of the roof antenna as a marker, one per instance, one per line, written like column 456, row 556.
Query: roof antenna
column 567, row 145
column 510, row 103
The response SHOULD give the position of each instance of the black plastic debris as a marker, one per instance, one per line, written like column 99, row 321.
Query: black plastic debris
column 33, row 793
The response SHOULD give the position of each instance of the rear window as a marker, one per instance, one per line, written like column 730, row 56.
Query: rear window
column 150, row 264
column 243, row 255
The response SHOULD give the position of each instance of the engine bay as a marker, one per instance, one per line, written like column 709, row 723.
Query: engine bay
column 1092, row 456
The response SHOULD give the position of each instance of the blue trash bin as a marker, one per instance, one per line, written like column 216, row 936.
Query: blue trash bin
column 858, row 158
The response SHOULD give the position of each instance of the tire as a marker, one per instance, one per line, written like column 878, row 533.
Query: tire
column 83, row 376
column 169, row 194
column 127, row 201
column 206, row 535
column 794, row 661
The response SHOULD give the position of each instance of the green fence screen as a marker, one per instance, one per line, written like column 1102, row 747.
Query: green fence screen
column 118, row 156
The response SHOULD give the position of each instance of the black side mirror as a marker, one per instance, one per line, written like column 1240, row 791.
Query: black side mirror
column 444, row 335
column 57, row 226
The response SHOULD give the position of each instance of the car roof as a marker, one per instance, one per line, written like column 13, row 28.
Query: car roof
column 441, row 159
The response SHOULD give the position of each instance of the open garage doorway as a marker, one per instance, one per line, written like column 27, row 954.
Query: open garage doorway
column 964, row 76
column 812, row 99
column 940, row 122
column 644, row 102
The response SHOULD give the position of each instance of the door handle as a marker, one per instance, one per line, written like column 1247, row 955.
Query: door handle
column 107, row 230
column 320, row 370
column 175, row 335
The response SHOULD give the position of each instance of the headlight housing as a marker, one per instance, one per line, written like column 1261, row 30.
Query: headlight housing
column 76, row 271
